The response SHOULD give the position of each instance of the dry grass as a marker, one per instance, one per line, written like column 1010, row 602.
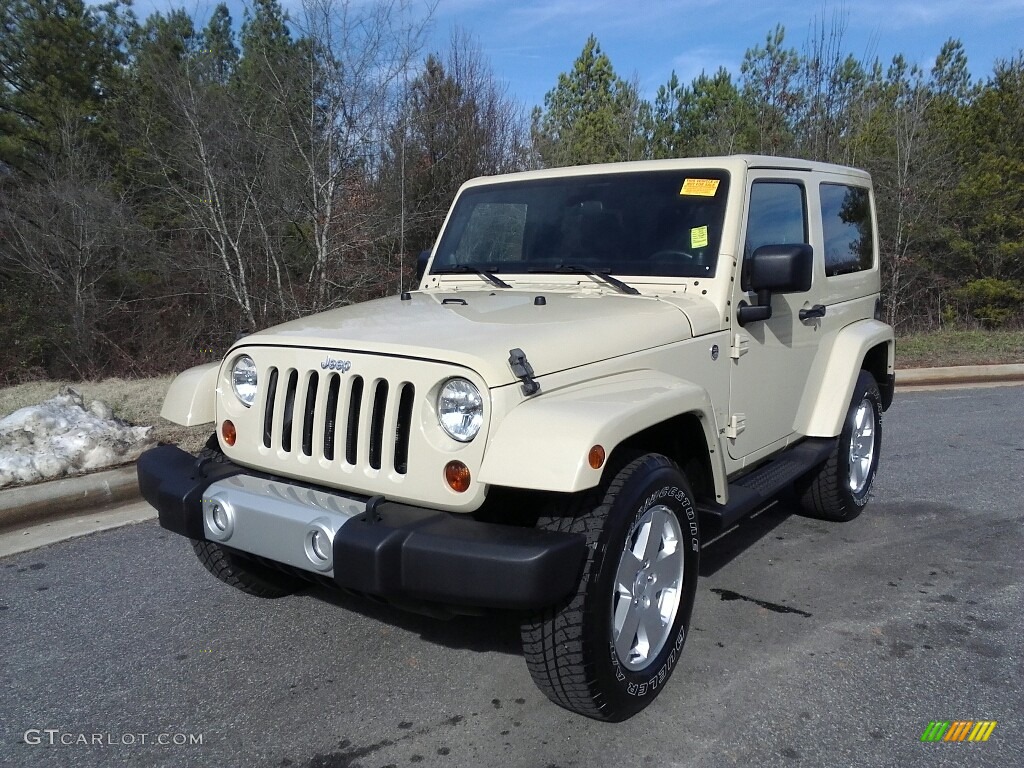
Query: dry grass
column 940, row 348
column 136, row 401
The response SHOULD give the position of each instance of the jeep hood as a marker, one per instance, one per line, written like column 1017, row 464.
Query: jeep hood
column 476, row 329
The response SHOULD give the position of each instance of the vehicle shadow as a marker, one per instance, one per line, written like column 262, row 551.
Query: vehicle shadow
column 498, row 631
column 722, row 550
column 494, row 631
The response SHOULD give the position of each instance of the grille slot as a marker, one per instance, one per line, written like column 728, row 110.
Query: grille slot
column 403, row 428
column 289, row 410
column 308, row 412
column 268, row 413
column 331, row 420
column 352, row 428
column 380, row 403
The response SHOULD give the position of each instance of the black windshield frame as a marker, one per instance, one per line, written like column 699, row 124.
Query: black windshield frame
column 640, row 224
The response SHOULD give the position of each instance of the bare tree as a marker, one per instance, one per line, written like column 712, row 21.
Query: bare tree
column 832, row 84
column 458, row 121
column 356, row 56
column 69, row 229
column 272, row 164
column 894, row 133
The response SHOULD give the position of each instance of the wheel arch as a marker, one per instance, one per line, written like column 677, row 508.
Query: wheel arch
column 544, row 442
column 191, row 398
column 683, row 440
column 865, row 345
column 877, row 363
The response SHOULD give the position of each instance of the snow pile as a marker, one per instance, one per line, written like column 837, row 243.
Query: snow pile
column 62, row 437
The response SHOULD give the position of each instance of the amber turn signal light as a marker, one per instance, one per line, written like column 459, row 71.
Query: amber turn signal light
column 596, row 457
column 456, row 474
column 227, row 431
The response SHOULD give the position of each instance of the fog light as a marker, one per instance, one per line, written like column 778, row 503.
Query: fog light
column 220, row 518
column 457, row 476
column 227, row 430
column 321, row 545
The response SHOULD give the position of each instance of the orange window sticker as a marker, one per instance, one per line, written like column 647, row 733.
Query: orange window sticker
column 700, row 187
column 699, row 237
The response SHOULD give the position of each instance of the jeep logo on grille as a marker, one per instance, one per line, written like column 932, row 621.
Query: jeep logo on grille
column 330, row 364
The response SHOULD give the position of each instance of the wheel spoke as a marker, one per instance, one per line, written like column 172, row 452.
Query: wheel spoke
column 668, row 570
column 652, row 624
column 856, row 475
column 862, row 413
column 627, row 633
column 625, row 577
column 655, row 532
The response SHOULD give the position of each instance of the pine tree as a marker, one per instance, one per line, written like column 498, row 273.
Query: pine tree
column 591, row 116
column 770, row 89
column 217, row 47
column 59, row 60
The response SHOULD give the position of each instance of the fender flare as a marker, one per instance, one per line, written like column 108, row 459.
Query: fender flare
column 191, row 398
column 544, row 443
column 822, row 414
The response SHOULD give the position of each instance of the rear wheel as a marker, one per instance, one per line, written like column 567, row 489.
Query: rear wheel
column 608, row 652
column 236, row 570
column 839, row 489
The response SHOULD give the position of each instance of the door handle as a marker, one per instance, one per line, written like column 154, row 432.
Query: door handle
column 818, row 310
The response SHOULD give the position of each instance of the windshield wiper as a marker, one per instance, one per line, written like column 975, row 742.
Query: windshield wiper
column 485, row 274
column 577, row 269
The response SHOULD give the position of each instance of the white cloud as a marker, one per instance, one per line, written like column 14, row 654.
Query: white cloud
column 915, row 13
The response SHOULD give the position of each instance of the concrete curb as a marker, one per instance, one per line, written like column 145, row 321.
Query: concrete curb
column 960, row 375
column 32, row 504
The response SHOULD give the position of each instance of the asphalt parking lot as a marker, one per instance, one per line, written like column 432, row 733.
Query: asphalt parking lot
column 813, row 643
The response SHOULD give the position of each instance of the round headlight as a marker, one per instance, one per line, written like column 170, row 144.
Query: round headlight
column 460, row 409
column 243, row 380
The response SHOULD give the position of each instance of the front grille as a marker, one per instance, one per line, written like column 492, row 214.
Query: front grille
column 319, row 413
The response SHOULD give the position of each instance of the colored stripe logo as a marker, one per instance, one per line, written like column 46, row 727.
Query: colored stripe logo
column 959, row 730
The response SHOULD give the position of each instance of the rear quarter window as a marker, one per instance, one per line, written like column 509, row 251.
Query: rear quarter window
column 848, row 229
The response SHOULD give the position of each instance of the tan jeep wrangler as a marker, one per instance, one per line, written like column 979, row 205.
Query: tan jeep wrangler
column 602, row 367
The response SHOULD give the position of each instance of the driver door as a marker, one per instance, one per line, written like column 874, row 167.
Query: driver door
column 771, row 359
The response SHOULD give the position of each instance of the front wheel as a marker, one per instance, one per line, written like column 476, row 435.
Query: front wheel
column 839, row 489
column 234, row 569
column 608, row 652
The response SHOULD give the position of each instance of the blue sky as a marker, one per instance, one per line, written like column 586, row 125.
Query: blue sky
column 529, row 42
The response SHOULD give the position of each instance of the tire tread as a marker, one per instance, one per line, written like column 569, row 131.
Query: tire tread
column 821, row 494
column 554, row 642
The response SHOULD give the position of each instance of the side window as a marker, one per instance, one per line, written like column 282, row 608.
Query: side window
column 494, row 234
column 778, row 215
column 847, row 226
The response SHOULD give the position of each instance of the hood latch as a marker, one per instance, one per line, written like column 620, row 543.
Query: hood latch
column 523, row 370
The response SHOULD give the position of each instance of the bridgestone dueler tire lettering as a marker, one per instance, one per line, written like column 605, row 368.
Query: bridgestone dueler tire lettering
column 825, row 493
column 568, row 648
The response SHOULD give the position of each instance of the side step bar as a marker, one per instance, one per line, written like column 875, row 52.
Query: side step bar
column 756, row 488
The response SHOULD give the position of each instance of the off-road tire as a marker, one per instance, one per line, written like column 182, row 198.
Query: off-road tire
column 236, row 570
column 826, row 493
column 569, row 648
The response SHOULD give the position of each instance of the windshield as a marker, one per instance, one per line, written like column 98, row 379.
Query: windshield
column 661, row 223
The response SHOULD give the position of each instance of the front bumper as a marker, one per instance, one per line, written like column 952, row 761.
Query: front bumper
column 395, row 551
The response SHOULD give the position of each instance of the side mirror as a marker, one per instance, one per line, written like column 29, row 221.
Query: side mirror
column 421, row 265
column 774, row 269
